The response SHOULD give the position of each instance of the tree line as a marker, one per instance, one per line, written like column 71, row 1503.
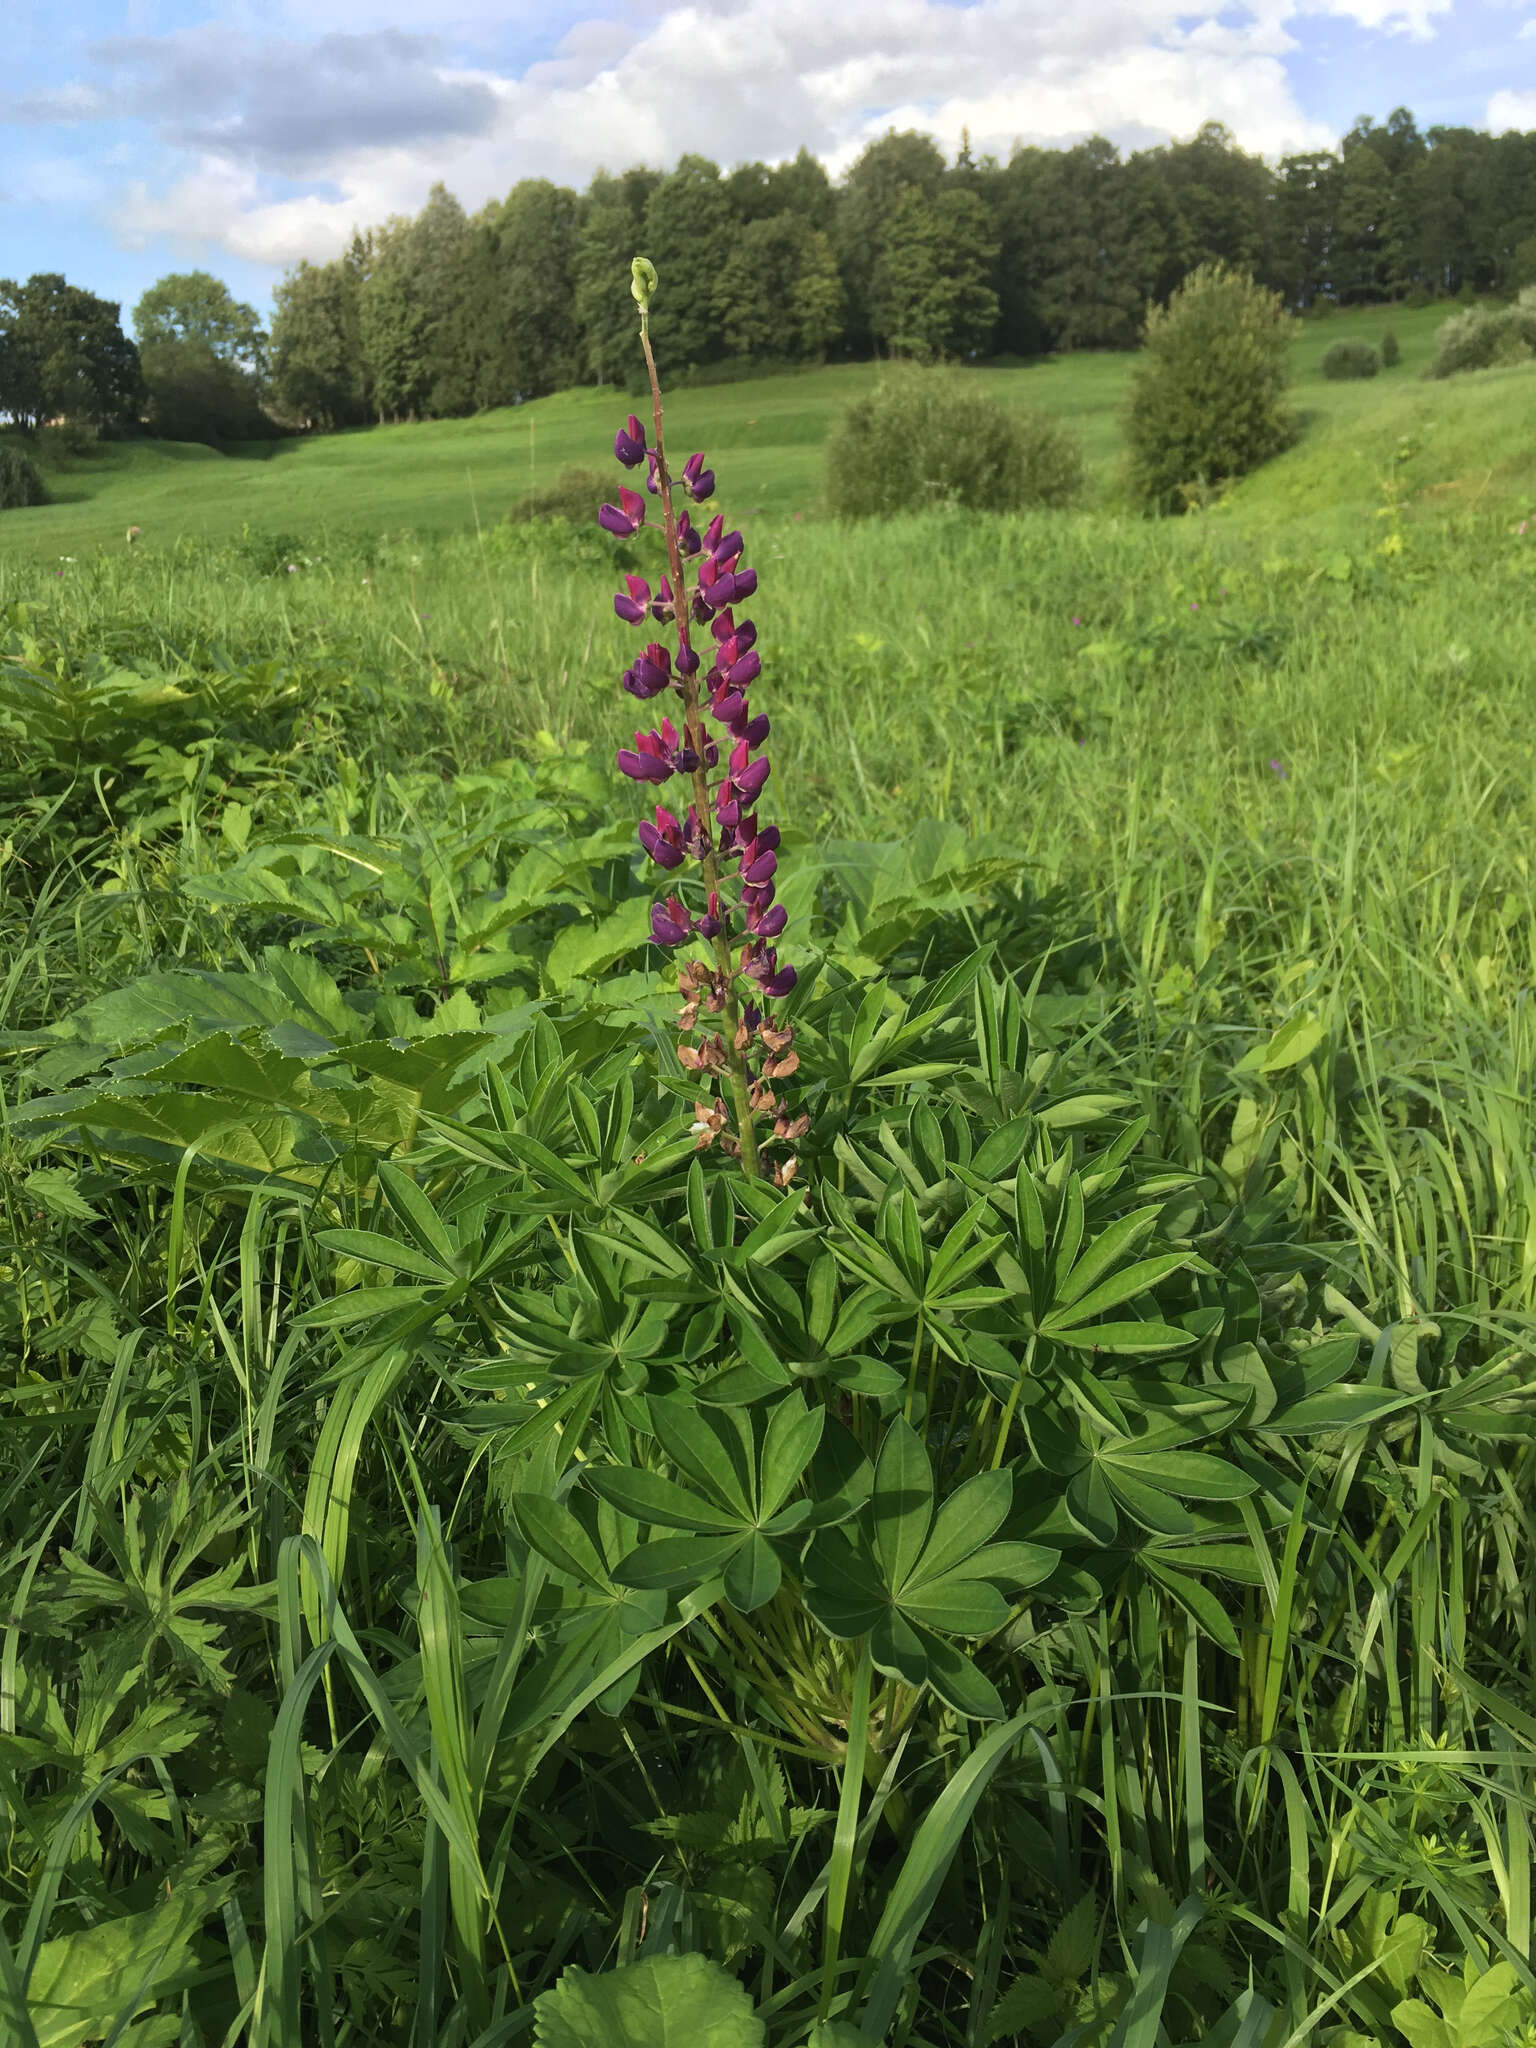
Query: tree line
column 908, row 254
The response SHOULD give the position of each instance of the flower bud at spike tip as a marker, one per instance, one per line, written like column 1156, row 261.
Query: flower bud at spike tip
column 737, row 1048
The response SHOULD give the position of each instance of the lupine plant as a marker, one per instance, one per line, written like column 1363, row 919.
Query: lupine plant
column 740, row 1047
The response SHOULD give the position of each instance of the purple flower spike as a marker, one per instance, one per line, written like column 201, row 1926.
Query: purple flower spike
column 740, row 1052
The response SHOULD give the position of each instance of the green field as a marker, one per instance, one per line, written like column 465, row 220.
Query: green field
column 1164, row 902
column 444, row 477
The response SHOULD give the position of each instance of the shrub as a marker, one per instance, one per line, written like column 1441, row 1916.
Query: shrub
column 1207, row 399
column 928, row 436
column 1349, row 359
column 574, row 495
column 1391, row 354
column 20, row 483
column 1479, row 339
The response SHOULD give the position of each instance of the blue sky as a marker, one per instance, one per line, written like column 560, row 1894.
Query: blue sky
column 141, row 136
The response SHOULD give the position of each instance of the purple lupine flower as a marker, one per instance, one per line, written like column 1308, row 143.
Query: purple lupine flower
column 670, row 923
column 698, row 481
column 651, row 674
column 740, row 975
column 625, row 518
column 663, row 841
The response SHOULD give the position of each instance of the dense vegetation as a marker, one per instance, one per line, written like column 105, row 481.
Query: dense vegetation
column 409, row 1601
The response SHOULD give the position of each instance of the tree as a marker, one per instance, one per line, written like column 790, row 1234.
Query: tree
column 689, row 234
column 193, row 305
column 872, row 190
column 1207, row 398
column 780, row 292
column 395, row 324
column 930, row 287
column 63, row 354
column 316, row 346
column 1305, row 204
column 802, row 187
column 606, row 244
column 1093, row 290
column 195, row 394
column 536, row 235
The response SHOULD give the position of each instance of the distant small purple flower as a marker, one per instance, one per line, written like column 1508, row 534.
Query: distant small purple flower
column 1194, row 604
column 1278, row 769
column 1077, row 622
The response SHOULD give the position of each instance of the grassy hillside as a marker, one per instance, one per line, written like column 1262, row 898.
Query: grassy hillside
column 444, row 477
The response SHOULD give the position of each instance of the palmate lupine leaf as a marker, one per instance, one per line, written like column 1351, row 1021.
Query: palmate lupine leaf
column 743, row 1469
column 909, row 1578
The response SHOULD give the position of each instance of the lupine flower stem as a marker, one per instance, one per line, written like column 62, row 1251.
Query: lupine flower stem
column 737, row 1074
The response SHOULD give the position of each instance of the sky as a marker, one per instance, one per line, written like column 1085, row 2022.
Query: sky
column 144, row 136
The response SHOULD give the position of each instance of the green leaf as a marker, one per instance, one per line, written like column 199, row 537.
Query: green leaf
column 650, row 1498
column 84, row 1983
column 902, row 1502
column 1295, row 1041
column 1196, row 1600
column 972, row 1514
column 1423, row 2028
column 1132, row 1340
column 549, row 1527
column 753, row 1575
column 669, row 2002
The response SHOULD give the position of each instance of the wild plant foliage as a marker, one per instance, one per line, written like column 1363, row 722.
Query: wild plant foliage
column 480, row 1565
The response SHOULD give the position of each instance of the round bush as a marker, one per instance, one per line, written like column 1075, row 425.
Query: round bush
column 574, row 495
column 932, row 437
column 20, row 483
column 1207, row 398
column 1391, row 354
column 1348, row 359
column 1480, row 339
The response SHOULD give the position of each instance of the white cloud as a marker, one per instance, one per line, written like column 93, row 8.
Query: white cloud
column 1512, row 110
column 706, row 75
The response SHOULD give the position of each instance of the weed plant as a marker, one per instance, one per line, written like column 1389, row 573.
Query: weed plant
column 1344, row 360
column 478, row 1568
column 930, row 437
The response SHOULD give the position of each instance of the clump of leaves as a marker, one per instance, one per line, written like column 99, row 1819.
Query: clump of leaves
column 1347, row 360
column 1391, row 354
column 930, row 436
column 1478, row 338
column 1207, row 400
column 574, row 495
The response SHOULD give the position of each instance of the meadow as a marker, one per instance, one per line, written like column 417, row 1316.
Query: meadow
column 411, row 1629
